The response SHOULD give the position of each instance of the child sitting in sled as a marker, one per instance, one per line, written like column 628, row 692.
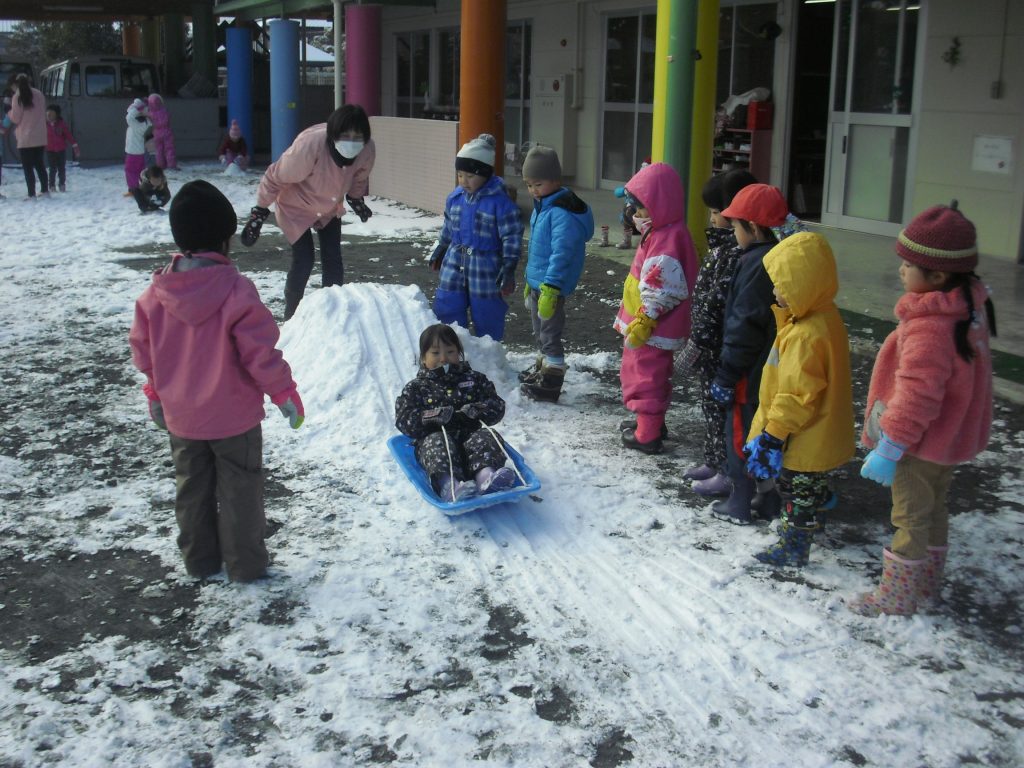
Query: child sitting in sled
column 448, row 410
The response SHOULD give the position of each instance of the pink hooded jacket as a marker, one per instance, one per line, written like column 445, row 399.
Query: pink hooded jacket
column 923, row 394
column 665, row 266
column 206, row 344
column 30, row 122
column 158, row 115
column 308, row 187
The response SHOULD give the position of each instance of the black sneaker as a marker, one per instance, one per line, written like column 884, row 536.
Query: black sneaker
column 630, row 424
column 629, row 440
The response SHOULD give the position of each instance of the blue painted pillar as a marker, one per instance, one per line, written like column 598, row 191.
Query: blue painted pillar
column 239, row 50
column 284, row 85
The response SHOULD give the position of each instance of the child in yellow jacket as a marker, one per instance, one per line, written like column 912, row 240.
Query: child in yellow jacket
column 803, row 427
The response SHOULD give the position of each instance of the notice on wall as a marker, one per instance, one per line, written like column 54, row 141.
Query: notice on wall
column 993, row 154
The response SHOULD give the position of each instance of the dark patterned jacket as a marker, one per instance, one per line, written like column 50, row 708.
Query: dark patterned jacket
column 712, row 289
column 435, row 389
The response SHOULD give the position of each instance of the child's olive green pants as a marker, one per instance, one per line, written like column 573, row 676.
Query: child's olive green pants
column 219, row 505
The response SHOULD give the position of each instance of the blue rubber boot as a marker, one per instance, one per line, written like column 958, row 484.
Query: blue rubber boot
column 736, row 509
column 792, row 549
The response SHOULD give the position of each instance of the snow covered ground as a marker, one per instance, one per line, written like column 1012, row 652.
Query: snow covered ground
column 604, row 621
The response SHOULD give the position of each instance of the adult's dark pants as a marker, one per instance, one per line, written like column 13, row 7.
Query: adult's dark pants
column 32, row 159
column 219, row 505
column 304, row 253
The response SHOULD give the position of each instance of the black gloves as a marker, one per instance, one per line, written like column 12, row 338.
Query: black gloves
column 437, row 417
column 251, row 230
column 438, row 256
column 471, row 411
column 359, row 208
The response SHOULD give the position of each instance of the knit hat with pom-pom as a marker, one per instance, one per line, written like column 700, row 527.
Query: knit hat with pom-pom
column 940, row 238
column 477, row 156
column 235, row 132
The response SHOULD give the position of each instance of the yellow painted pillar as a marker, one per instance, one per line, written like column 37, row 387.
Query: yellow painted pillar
column 703, row 132
column 482, row 74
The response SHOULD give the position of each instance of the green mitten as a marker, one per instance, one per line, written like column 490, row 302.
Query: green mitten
column 547, row 301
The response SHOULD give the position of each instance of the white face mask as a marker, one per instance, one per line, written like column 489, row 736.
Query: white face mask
column 642, row 224
column 348, row 149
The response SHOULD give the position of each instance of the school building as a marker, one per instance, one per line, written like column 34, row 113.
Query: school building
column 865, row 111
column 875, row 109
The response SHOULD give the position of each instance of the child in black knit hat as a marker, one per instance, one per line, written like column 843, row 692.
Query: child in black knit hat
column 207, row 346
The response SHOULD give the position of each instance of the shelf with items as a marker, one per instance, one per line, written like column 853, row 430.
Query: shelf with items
column 743, row 148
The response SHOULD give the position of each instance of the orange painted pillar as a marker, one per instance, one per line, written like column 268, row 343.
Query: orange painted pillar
column 131, row 38
column 482, row 74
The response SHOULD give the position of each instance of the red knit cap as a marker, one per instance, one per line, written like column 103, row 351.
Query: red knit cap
column 940, row 238
column 762, row 204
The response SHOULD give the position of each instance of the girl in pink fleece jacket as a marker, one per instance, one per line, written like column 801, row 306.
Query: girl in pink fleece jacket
column 930, row 402
column 206, row 344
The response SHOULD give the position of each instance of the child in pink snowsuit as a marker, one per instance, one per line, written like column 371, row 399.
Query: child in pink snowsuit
column 654, row 316
column 163, row 137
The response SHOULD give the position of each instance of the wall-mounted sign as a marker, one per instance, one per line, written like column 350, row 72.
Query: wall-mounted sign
column 993, row 154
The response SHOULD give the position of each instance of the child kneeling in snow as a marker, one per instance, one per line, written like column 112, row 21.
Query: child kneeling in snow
column 206, row 344
column 448, row 410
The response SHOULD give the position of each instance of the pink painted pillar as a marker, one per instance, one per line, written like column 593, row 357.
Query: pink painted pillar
column 362, row 57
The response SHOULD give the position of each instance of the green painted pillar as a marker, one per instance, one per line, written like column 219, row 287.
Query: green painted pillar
column 174, row 52
column 676, row 43
column 204, row 42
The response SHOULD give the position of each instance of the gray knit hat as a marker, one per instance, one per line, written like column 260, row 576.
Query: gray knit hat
column 477, row 156
column 542, row 163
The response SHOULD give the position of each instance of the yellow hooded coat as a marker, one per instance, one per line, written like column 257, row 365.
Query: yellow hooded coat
column 806, row 397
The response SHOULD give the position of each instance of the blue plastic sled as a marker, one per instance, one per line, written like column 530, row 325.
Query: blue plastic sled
column 402, row 449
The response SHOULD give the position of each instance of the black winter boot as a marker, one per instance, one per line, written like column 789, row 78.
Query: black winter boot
column 736, row 509
column 549, row 385
column 291, row 302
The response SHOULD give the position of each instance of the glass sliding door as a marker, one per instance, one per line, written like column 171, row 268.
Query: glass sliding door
column 412, row 73
column 517, row 83
column 627, row 104
column 870, row 125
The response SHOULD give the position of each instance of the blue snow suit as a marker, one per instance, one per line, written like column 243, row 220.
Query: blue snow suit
column 560, row 226
column 482, row 235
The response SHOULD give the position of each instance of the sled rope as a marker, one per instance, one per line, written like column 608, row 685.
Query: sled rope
column 501, row 444
column 451, row 464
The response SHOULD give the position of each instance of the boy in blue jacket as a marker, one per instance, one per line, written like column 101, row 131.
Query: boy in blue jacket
column 560, row 226
column 479, row 246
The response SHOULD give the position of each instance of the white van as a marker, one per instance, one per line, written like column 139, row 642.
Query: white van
column 94, row 93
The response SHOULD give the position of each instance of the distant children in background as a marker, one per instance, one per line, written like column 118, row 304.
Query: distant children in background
column 700, row 355
column 803, row 428
column 206, row 344
column 654, row 315
column 152, row 194
column 58, row 137
column 233, row 148
column 479, row 245
column 929, row 404
column 560, row 226
column 747, row 339
column 629, row 230
column 5, row 121
column 448, row 410
column 28, row 114
column 163, row 136
column 135, row 144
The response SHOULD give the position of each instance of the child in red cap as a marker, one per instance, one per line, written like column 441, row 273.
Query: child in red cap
column 746, row 341
column 929, row 404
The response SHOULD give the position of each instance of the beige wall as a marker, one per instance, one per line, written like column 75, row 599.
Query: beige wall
column 956, row 106
column 415, row 161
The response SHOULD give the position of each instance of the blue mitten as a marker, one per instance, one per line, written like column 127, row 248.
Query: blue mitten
column 764, row 456
column 722, row 394
column 880, row 464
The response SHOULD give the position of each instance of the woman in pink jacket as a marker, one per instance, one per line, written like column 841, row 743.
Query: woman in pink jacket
column 654, row 316
column 28, row 113
column 930, row 402
column 327, row 165
column 207, row 347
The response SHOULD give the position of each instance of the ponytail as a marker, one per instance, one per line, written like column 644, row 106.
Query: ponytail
column 965, row 281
